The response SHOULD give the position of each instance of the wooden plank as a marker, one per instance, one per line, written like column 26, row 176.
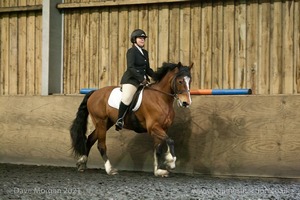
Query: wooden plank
column 4, row 53
column 12, row 9
column 252, row 45
column 287, row 45
column 174, row 30
column 228, row 46
column 22, row 46
column 104, row 64
column 206, row 33
column 13, row 51
column 124, row 41
column 143, row 19
column 30, row 52
column 297, row 45
column 185, row 27
column 240, row 45
column 67, row 53
column 252, row 64
column 75, row 53
column 264, row 49
column 1, row 51
column 114, row 46
column 115, row 3
column 196, row 44
column 84, row 54
column 38, row 52
column 217, row 46
column 94, row 48
column 153, row 41
column 163, row 36
column 276, row 48
column 133, row 23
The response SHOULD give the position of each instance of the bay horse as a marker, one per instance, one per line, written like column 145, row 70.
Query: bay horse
column 154, row 116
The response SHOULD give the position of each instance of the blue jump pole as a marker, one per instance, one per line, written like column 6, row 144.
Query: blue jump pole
column 86, row 90
column 231, row 91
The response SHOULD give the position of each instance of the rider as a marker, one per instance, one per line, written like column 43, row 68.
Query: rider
column 138, row 68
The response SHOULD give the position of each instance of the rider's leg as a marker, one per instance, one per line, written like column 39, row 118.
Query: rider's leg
column 127, row 95
column 122, row 112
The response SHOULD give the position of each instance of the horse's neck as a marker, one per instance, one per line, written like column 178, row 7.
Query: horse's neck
column 165, row 84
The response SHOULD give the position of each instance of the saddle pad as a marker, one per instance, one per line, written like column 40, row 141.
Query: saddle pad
column 115, row 97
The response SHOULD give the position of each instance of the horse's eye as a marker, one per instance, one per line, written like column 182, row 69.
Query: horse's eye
column 180, row 81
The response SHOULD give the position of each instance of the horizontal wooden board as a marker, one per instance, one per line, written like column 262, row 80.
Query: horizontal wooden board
column 84, row 4
column 218, row 135
column 20, row 8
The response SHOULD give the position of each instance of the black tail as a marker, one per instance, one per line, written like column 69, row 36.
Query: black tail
column 79, row 127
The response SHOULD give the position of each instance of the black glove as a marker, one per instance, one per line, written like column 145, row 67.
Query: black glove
column 144, row 82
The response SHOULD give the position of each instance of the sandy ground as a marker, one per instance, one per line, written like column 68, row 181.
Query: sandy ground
column 44, row 182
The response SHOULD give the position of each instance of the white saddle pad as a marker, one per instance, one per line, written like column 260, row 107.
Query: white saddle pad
column 115, row 96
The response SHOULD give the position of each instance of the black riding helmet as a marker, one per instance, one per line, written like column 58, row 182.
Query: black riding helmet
column 137, row 33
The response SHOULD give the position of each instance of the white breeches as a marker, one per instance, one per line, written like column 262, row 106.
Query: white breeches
column 128, row 92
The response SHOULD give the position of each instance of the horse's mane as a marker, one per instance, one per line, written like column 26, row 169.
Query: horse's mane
column 163, row 70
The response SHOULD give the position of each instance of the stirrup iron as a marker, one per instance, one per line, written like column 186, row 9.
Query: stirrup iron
column 119, row 124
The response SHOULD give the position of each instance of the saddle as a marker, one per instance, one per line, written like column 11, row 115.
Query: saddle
column 131, row 120
column 115, row 96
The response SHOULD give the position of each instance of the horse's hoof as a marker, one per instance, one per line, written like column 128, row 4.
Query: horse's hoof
column 81, row 164
column 161, row 172
column 170, row 163
column 81, row 167
column 109, row 169
column 113, row 172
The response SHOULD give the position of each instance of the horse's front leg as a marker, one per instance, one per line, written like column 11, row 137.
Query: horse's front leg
column 170, row 157
column 157, row 171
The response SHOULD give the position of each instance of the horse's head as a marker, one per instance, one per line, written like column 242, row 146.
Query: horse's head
column 181, row 85
column 175, row 80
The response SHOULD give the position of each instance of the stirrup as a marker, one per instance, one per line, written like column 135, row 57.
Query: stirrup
column 119, row 124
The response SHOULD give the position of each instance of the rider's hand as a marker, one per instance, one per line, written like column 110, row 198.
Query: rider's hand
column 145, row 82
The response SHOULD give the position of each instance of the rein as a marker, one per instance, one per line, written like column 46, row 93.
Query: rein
column 170, row 94
column 166, row 93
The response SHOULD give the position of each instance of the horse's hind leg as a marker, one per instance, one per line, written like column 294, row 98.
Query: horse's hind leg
column 101, row 133
column 81, row 162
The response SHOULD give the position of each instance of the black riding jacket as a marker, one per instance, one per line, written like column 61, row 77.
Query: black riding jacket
column 137, row 67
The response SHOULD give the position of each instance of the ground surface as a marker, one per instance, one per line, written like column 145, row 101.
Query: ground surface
column 39, row 182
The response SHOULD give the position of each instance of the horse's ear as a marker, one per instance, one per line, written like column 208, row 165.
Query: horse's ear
column 191, row 66
column 179, row 64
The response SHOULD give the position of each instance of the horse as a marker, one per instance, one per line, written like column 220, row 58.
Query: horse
column 154, row 116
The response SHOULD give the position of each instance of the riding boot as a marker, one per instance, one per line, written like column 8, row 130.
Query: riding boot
column 122, row 112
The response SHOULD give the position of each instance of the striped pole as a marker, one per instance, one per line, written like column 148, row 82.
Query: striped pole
column 198, row 91
column 221, row 91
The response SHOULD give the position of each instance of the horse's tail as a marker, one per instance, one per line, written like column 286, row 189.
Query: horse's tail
column 79, row 127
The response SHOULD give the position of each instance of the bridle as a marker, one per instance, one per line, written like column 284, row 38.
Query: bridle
column 173, row 87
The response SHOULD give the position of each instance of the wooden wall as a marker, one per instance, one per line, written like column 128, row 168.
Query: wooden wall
column 256, row 135
column 20, row 47
column 233, row 44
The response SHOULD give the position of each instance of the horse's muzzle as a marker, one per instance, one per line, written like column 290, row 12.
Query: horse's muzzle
column 185, row 104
